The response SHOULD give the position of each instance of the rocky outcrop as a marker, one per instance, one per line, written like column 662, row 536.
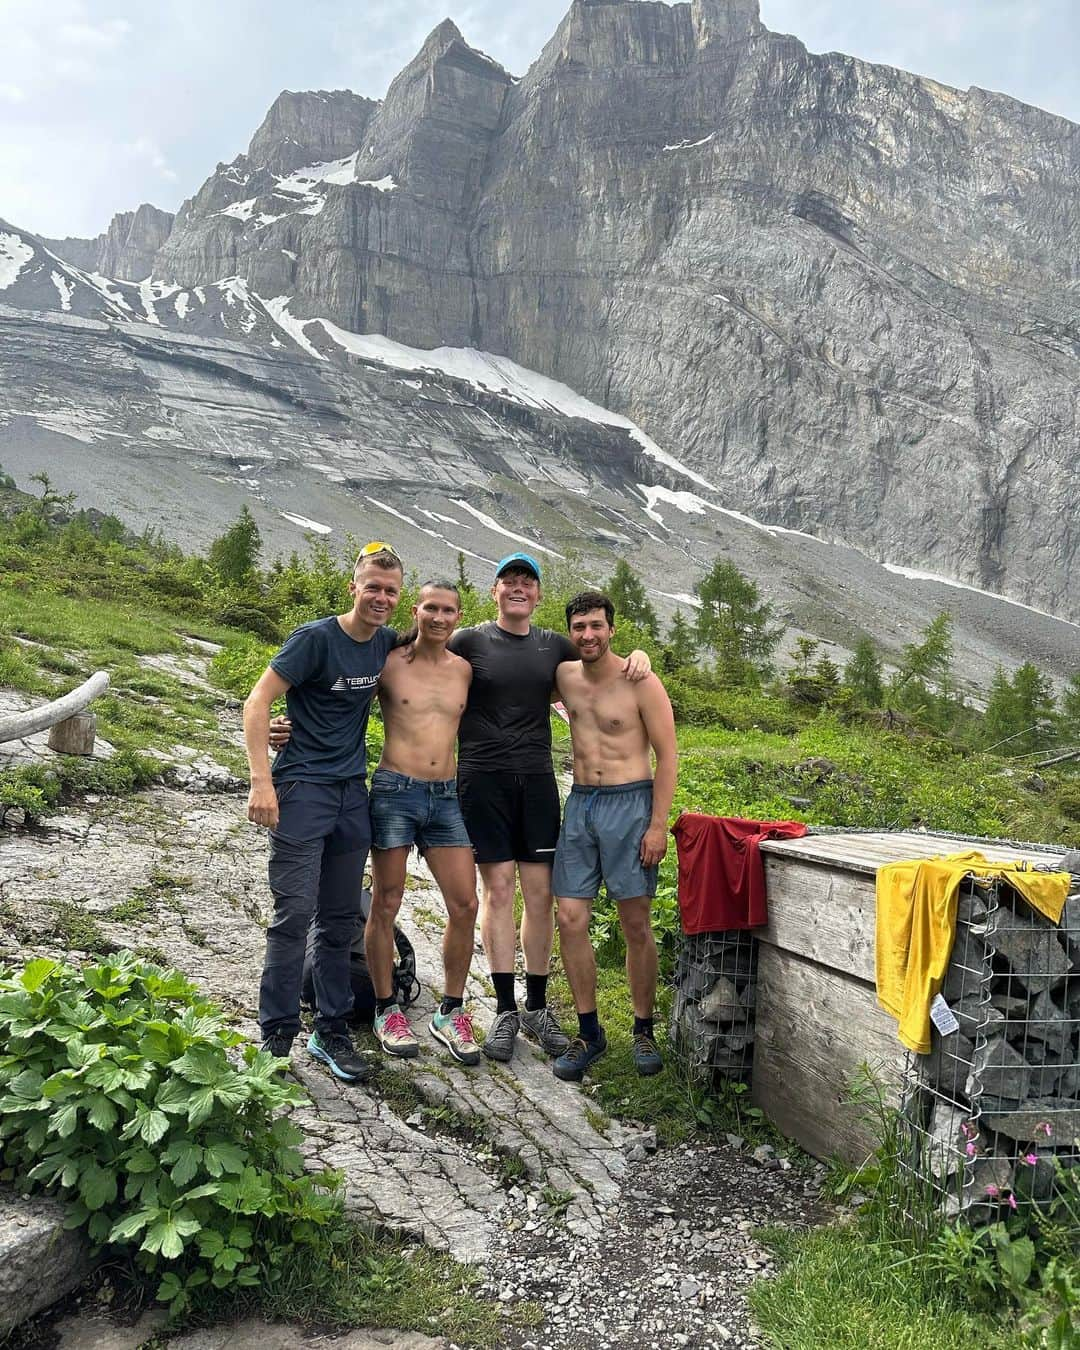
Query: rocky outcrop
column 126, row 250
column 40, row 1259
column 309, row 128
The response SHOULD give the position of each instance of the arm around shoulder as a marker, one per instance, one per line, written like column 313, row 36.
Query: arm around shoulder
column 659, row 720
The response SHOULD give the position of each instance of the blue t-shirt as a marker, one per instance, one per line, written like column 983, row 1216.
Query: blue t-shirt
column 332, row 679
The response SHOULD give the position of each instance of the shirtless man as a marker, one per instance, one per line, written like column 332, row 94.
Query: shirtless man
column 614, row 826
column 422, row 691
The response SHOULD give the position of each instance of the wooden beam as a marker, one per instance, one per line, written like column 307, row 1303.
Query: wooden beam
column 867, row 852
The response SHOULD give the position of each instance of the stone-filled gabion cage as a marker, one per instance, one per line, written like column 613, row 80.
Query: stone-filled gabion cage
column 991, row 1116
column 712, row 1012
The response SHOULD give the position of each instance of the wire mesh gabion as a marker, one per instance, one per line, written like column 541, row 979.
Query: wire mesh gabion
column 712, row 1012
column 991, row 1116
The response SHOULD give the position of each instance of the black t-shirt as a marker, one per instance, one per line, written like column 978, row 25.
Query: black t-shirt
column 507, row 721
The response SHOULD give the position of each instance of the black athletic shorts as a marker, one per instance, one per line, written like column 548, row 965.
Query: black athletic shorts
column 510, row 817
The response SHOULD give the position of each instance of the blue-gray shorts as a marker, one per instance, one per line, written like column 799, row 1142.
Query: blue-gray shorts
column 407, row 811
column 601, row 841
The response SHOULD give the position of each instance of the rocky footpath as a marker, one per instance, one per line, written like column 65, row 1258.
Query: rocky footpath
column 502, row 1165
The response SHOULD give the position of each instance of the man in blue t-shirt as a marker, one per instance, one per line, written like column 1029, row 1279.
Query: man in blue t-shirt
column 315, row 805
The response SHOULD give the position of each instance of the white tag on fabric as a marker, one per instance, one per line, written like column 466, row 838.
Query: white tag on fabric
column 943, row 1016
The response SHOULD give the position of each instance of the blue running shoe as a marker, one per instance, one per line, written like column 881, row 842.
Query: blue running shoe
column 338, row 1053
column 572, row 1063
column 647, row 1059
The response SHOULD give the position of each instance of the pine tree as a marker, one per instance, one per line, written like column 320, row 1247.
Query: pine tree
column 465, row 586
column 1070, row 705
column 680, row 650
column 736, row 624
column 628, row 596
column 234, row 555
column 1035, row 708
column 862, row 674
column 1001, row 721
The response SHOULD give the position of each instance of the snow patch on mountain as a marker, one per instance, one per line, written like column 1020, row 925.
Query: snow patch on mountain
column 15, row 253
column 65, row 289
column 913, row 574
column 500, row 375
column 313, row 525
column 496, row 528
column 278, row 309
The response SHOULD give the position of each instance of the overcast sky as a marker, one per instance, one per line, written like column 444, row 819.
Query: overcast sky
column 108, row 103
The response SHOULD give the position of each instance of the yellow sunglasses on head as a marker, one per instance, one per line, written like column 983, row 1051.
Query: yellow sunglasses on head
column 377, row 546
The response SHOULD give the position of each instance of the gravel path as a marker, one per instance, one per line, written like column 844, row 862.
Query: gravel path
column 620, row 1248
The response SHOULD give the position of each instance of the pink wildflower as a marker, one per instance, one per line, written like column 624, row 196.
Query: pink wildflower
column 1044, row 1127
column 969, row 1129
column 993, row 1192
column 1031, row 1159
column 971, row 1150
column 1011, row 1200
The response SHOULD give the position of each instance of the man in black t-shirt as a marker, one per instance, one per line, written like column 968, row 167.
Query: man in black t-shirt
column 508, row 793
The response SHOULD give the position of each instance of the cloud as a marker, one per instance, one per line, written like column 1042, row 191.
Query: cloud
column 148, row 150
column 12, row 93
column 99, row 37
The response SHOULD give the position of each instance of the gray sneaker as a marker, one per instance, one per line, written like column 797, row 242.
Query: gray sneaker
column 540, row 1026
column 499, row 1042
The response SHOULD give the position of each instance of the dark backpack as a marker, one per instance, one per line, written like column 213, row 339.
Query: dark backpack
column 406, row 985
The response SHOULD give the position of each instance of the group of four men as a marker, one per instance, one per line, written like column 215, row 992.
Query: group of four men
column 489, row 689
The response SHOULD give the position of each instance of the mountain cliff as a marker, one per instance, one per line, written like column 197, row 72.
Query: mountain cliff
column 844, row 294
column 841, row 298
column 128, row 247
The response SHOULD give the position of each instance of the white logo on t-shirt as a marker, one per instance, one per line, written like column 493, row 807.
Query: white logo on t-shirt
column 344, row 683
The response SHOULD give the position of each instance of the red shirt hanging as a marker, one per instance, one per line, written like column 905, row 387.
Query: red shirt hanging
column 721, row 876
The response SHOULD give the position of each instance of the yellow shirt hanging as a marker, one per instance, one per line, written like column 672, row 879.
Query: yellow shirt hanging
column 916, row 922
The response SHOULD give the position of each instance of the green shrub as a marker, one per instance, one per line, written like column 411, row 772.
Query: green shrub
column 1068, row 800
column 237, row 666
column 120, row 1089
column 31, row 788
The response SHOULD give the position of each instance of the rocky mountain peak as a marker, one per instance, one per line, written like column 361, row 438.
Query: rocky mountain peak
column 126, row 249
column 725, row 20
column 432, row 131
column 312, row 127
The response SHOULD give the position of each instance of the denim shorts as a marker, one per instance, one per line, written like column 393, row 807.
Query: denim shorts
column 600, row 841
column 406, row 811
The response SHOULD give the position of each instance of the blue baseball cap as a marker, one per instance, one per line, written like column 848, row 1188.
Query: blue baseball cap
column 522, row 560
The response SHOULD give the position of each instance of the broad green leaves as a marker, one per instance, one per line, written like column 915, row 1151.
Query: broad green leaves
column 123, row 1088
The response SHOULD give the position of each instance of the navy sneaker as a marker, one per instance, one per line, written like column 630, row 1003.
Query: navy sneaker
column 278, row 1044
column 647, row 1059
column 337, row 1052
column 577, row 1057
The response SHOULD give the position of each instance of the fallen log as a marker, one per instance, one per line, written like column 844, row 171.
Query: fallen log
column 18, row 725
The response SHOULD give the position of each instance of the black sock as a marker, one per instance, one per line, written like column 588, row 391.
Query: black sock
column 448, row 1004
column 535, row 992
column 504, row 991
column 589, row 1026
column 643, row 1026
column 381, row 1004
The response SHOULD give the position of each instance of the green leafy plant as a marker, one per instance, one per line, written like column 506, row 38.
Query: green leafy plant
column 121, row 1089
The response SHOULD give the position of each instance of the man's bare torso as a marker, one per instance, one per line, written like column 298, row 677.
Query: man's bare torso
column 422, row 701
column 611, row 744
